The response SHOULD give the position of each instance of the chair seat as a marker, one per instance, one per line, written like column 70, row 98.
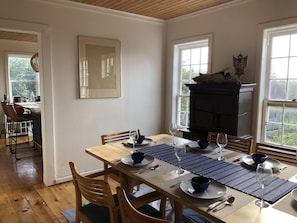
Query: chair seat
column 99, row 214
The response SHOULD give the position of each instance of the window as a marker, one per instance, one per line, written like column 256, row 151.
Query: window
column 280, row 71
column 191, row 58
column 23, row 81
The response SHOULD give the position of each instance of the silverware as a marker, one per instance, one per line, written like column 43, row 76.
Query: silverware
column 229, row 201
column 155, row 167
column 236, row 160
column 282, row 168
column 217, row 203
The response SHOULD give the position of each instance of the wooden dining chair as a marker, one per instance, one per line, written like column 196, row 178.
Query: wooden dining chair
column 235, row 143
column 281, row 153
column 115, row 137
column 130, row 214
column 102, row 205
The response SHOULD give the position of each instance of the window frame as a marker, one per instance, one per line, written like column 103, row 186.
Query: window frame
column 7, row 72
column 177, row 47
column 268, row 32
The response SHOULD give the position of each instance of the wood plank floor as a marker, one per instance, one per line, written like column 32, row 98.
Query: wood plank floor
column 23, row 196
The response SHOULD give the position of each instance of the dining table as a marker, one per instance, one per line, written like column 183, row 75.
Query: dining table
column 232, row 176
column 35, row 109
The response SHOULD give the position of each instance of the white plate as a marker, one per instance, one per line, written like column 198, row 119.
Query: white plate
column 214, row 190
column 128, row 161
column 249, row 161
column 145, row 142
column 294, row 194
column 195, row 147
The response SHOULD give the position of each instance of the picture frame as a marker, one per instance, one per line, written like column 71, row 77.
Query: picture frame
column 99, row 67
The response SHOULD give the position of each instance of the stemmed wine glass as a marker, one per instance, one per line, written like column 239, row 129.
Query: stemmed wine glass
column 222, row 141
column 173, row 131
column 133, row 135
column 264, row 178
column 180, row 152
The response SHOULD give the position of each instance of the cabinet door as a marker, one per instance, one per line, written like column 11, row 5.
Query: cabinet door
column 203, row 121
column 227, row 124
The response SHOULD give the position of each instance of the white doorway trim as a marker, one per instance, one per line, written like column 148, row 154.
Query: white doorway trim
column 46, row 91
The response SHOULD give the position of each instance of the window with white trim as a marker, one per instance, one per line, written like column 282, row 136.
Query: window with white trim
column 191, row 58
column 279, row 66
column 22, row 80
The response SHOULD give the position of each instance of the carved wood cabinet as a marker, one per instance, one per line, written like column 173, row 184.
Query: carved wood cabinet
column 220, row 108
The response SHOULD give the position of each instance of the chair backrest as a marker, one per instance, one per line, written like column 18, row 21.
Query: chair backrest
column 95, row 191
column 113, row 137
column 235, row 143
column 283, row 154
column 3, row 104
column 130, row 215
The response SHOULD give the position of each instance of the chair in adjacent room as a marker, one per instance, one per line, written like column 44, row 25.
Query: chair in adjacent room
column 130, row 214
column 102, row 205
column 15, row 121
column 283, row 154
column 235, row 143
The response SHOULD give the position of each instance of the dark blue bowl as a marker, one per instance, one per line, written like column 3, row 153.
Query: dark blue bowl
column 200, row 184
column 259, row 158
column 203, row 143
column 137, row 157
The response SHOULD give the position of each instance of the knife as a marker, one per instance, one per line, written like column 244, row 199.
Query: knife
column 217, row 203
column 220, row 207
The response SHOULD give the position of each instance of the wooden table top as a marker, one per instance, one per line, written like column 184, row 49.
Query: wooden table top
column 165, row 180
column 33, row 106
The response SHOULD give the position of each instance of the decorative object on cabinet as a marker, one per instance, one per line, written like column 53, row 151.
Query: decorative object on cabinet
column 221, row 77
column 240, row 64
column 99, row 67
column 220, row 108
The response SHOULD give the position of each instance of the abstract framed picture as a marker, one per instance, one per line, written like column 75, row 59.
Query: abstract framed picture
column 99, row 67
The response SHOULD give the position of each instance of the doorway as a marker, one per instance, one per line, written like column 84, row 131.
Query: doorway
column 44, row 49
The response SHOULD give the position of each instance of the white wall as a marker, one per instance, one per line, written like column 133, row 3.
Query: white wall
column 78, row 123
column 235, row 30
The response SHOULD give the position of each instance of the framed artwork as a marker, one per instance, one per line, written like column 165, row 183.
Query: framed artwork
column 99, row 67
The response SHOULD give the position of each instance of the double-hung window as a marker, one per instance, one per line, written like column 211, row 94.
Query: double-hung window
column 22, row 80
column 190, row 59
column 279, row 66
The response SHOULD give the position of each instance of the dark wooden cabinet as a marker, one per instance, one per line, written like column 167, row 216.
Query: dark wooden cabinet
column 220, row 108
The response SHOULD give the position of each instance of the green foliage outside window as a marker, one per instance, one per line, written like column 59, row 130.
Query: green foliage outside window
column 23, row 79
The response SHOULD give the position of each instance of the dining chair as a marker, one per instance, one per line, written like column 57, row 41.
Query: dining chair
column 281, row 153
column 235, row 143
column 130, row 214
column 115, row 137
column 102, row 206
column 15, row 121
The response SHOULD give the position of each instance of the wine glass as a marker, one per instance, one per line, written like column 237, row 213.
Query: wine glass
column 180, row 152
column 264, row 178
column 222, row 141
column 133, row 135
column 173, row 131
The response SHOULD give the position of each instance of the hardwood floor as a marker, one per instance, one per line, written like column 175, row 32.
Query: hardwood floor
column 23, row 196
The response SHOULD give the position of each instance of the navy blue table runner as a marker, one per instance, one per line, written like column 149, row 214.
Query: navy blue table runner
column 232, row 175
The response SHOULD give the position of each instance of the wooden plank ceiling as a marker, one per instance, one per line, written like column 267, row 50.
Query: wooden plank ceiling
column 160, row 9
column 18, row 36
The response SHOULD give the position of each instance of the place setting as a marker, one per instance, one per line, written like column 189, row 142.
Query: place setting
column 137, row 140
column 137, row 159
column 201, row 146
column 253, row 160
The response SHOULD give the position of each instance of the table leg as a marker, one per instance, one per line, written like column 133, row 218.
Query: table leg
column 126, row 183
column 178, row 211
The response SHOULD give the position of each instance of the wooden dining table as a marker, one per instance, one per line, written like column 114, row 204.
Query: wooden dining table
column 165, row 180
